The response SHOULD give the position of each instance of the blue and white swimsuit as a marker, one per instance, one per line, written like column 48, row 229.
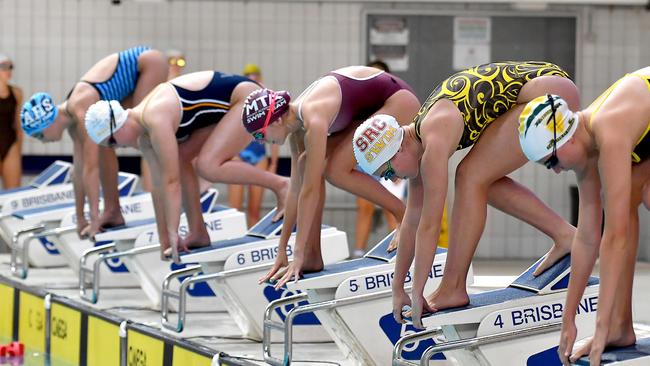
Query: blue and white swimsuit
column 125, row 77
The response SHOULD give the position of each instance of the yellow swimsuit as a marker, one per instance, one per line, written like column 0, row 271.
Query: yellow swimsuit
column 642, row 148
column 485, row 92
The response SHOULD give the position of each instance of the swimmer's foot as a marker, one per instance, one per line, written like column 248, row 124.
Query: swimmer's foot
column 313, row 264
column 555, row 254
column 193, row 241
column 281, row 197
column 107, row 220
column 395, row 241
column 447, row 297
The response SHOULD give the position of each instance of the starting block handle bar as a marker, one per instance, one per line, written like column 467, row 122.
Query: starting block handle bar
column 409, row 339
column 270, row 324
column 93, row 273
column 55, row 231
column 19, row 256
column 181, row 294
column 142, row 250
column 492, row 338
column 462, row 343
column 287, row 327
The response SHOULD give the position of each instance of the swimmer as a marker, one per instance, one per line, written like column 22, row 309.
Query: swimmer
column 607, row 145
column 477, row 107
column 319, row 125
column 126, row 76
column 195, row 116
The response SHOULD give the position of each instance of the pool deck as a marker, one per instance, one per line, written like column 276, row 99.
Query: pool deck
column 206, row 334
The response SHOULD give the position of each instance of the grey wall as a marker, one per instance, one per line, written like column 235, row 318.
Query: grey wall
column 53, row 42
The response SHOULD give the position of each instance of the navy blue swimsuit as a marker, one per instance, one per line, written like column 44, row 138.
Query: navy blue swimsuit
column 205, row 107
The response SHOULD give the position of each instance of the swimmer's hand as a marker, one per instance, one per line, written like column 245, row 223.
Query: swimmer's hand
column 172, row 253
column 567, row 339
column 394, row 243
column 401, row 304
column 93, row 229
column 292, row 272
column 419, row 305
column 82, row 229
column 173, row 250
column 280, row 261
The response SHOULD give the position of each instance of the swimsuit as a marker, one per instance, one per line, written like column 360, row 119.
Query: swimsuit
column 642, row 147
column 360, row 97
column 124, row 79
column 485, row 92
column 205, row 107
column 7, row 123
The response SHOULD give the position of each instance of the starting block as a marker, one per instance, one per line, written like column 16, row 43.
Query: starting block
column 141, row 255
column 517, row 325
column 353, row 301
column 111, row 261
column 251, row 256
column 58, row 172
column 26, row 226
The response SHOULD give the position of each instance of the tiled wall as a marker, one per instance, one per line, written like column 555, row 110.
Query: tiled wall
column 52, row 42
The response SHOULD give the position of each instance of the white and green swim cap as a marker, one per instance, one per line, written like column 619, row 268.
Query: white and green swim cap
column 537, row 130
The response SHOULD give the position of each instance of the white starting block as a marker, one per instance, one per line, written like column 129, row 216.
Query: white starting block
column 353, row 302
column 25, row 226
column 517, row 325
column 51, row 187
column 59, row 172
column 103, row 264
column 252, row 255
column 636, row 355
column 141, row 255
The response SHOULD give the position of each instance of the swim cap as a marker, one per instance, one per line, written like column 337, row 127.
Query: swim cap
column 4, row 58
column 251, row 69
column 38, row 113
column 376, row 141
column 98, row 119
column 257, row 105
column 536, row 126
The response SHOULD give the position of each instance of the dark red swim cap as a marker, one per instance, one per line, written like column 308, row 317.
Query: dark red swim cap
column 257, row 106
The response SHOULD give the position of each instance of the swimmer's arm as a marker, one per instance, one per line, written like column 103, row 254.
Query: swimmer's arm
column 77, row 181
column 587, row 239
column 165, row 147
column 90, row 163
column 291, row 204
column 615, row 167
column 433, row 170
column 407, row 231
column 310, row 189
column 156, row 195
column 275, row 155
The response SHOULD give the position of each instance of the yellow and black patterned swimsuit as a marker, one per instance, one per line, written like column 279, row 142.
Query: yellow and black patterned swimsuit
column 485, row 92
column 642, row 148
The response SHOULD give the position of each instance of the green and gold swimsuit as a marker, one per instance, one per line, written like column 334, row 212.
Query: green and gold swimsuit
column 485, row 92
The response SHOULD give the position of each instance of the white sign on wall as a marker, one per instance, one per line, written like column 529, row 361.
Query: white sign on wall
column 472, row 36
